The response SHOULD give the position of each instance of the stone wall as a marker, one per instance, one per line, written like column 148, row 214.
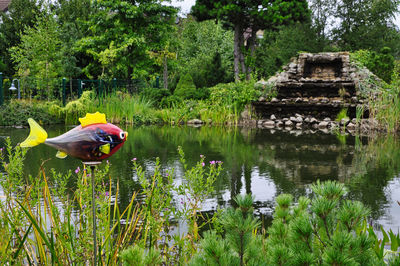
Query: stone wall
column 316, row 87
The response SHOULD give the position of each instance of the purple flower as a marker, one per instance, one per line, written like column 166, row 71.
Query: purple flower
column 77, row 170
column 88, row 175
column 220, row 162
column 201, row 156
column 203, row 164
column 212, row 162
column 106, row 193
column 166, row 174
column 107, row 162
column 134, row 159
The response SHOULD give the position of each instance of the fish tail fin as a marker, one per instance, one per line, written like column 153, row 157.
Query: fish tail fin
column 36, row 136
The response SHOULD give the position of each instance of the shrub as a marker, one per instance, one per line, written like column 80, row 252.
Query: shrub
column 381, row 64
column 18, row 112
column 185, row 88
column 155, row 95
column 170, row 101
column 324, row 230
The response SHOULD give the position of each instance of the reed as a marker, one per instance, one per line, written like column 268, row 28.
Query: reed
column 42, row 222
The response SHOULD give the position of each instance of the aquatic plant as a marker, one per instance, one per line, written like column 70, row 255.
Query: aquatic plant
column 165, row 203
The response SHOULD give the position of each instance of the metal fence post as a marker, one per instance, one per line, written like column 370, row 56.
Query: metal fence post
column 157, row 82
column 79, row 88
column 101, row 90
column 1, row 89
column 64, row 84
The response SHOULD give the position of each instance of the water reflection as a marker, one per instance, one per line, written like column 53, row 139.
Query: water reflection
column 263, row 162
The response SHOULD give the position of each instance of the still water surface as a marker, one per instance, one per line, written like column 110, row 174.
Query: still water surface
column 263, row 162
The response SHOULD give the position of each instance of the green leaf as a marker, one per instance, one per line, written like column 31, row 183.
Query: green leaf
column 40, row 231
column 393, row 241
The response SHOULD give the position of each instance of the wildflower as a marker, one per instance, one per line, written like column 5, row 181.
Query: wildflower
column 77, row 170
column 106, row 193
column 212, row 162
column 201, row 156
column 134, row 159
column 219, row 162
column 166, row 174
column 203, row 164
column 107, row 162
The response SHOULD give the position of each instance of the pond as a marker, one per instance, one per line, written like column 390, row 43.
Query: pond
column 263, row 162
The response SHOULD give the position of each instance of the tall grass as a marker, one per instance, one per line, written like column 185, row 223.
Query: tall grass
column 385, row 106
column 120, row 108
column 42, row 222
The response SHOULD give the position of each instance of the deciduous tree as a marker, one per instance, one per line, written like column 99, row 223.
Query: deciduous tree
column 128, row 30
column 39, row 54
column 20, row 14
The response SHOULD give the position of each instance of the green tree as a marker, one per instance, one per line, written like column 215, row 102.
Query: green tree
column 20, row 14
column 121, row 34
column 245, row 18
column 39, row 54
column 215, row 73
column 185, row 88
column 198, row 43
column 366, row 24
column 322, row 13
column 277, row 47
column 72, row 16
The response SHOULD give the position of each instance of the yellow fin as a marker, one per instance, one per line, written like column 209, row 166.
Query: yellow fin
column 36, row 136
column 61, row 154
column 96, row 118
column 105, row 148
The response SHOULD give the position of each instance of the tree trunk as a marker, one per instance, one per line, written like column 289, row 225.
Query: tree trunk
column 242, row 56
column 236, row 51
column 251, row 45
column 165, row 72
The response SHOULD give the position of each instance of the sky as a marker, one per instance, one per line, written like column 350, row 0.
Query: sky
column 187, row 4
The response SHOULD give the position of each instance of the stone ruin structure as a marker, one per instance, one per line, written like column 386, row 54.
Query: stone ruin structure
column 314, row 88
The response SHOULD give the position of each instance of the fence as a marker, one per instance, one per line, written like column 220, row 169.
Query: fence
column 64, row 89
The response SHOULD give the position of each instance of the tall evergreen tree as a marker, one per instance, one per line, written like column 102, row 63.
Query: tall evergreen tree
column 245, row 18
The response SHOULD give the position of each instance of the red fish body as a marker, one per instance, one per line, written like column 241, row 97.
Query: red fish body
column 93, row 140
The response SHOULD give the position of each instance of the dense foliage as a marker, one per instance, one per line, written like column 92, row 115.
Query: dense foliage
column 246, row 18
column 43, row 41
column 197, row 56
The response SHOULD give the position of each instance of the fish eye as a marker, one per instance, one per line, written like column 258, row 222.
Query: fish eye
column 122, row 135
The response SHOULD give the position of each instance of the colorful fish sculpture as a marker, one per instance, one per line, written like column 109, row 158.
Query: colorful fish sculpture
column 93, row 140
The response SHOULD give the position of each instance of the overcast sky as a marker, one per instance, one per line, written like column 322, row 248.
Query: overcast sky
column 187, row 4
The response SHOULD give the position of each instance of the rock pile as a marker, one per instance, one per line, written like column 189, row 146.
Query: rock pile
column 316, row 87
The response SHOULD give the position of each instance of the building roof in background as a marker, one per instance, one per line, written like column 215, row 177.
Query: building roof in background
column 4, row 4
